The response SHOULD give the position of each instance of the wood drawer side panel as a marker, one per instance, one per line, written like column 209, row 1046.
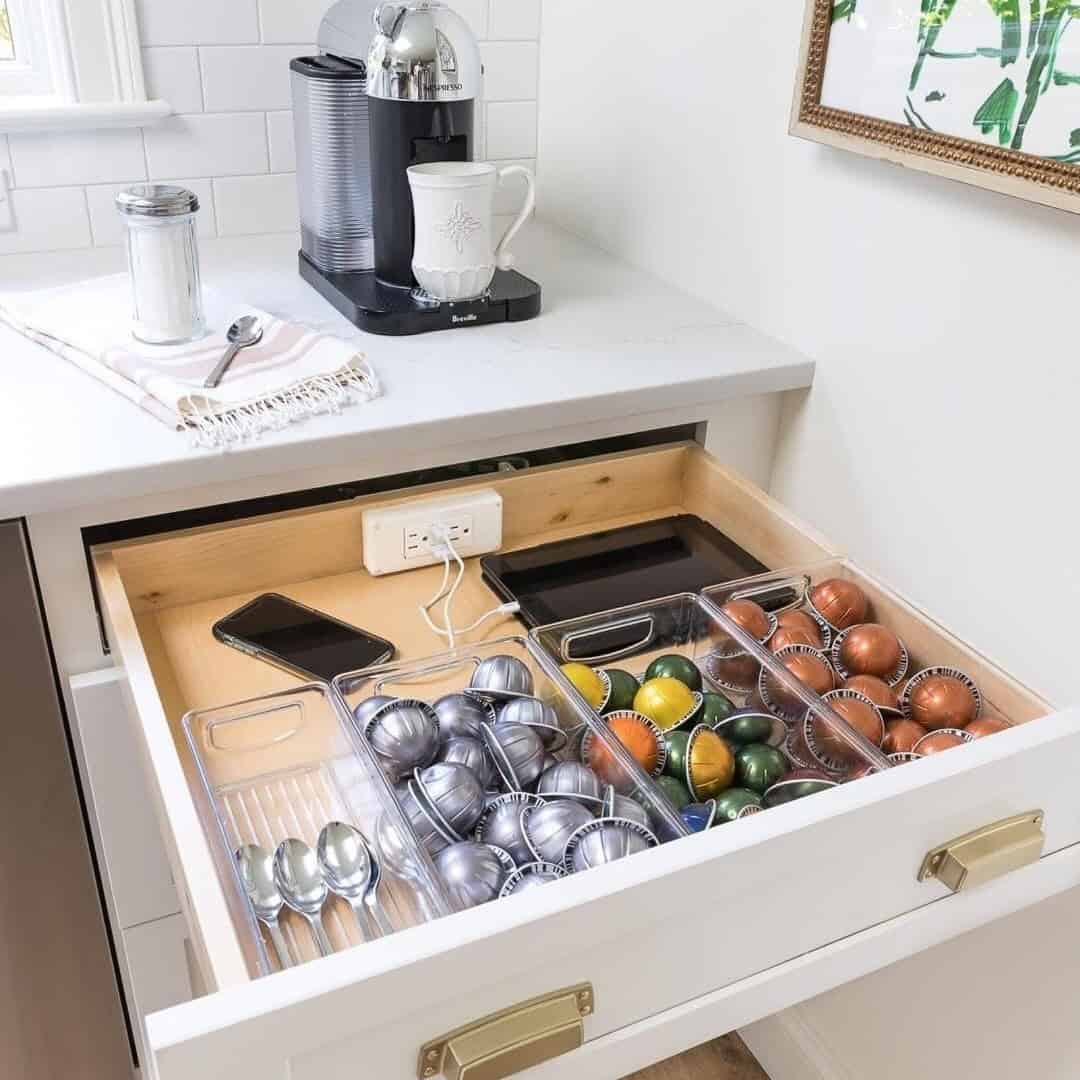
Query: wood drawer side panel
column 194, row 871
column 258, row 554
column 752, row 518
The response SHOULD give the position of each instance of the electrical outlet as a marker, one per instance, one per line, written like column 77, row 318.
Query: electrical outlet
column 401, row 537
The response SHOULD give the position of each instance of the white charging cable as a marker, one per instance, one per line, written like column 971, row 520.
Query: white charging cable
column 443, row 546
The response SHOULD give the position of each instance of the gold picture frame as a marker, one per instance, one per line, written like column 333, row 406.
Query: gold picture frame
column 999, row 168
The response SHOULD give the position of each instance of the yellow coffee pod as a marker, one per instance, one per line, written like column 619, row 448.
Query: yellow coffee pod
column 710, row 764
column 667, row 702
column 590, row 684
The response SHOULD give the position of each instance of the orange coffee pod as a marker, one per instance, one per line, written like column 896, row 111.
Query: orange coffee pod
column 901, row 736
column 640, row 736
column 941, row 698
column 877, row 690
column 841, row 603
column 870, row 649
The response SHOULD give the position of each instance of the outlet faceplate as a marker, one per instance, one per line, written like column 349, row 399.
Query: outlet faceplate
column 400, row 537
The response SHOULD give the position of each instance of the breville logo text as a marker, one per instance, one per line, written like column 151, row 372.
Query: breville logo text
column 463, row 318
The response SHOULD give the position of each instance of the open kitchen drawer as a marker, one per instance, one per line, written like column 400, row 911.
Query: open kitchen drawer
column 649, row 933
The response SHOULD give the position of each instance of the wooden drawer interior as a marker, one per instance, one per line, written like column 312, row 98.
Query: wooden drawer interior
column 163, row 594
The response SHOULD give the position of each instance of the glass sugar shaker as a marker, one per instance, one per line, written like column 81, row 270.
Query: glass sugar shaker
column 163, row 262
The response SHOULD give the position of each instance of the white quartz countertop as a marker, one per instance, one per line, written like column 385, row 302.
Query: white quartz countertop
column 612, row 343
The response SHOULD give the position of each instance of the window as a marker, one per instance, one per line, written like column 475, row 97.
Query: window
column 72, row 63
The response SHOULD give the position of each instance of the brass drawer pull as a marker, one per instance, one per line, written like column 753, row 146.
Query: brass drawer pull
column 987, row 853
column 512, row 1040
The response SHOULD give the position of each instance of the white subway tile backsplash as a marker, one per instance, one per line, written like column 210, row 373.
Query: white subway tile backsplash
column 172, row 73
column 52, row 159
column 243, row 77
column 511, row 70
column 288, row 21
column 510, row 194
column 279, row 127
column 197, row 22
column 223, row 65
column 108, row 229
column 225, row 144
column 47, row 219
column 511, row 20
column 475, row 13
column 511, row 129
column 256, row 204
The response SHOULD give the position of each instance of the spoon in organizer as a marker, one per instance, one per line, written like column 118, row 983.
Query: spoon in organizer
column 244, row 332
column 353, row 873
column 297, row 873
column 257, row 873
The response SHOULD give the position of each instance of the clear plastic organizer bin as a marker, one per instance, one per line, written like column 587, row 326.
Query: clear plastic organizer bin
column 282, row 768
column 918, row 682
column 684, row 665
column 448, row 732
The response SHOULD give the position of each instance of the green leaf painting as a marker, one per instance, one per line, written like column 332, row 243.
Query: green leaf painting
column 1005, row 72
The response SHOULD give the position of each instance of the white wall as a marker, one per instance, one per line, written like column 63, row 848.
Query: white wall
column 224, row 67
column 938, row 443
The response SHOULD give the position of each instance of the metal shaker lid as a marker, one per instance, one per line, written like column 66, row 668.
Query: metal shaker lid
column 156, row 200
column 423, row 51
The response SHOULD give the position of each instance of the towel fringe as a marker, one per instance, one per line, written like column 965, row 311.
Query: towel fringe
column 321, row 394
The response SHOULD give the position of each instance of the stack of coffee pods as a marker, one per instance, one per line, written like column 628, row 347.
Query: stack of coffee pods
column 498, row 791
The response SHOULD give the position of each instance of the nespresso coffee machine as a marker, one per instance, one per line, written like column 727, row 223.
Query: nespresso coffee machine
column 398, row 84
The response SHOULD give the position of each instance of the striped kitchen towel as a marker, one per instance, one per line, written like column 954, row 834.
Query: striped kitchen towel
column 293, row 373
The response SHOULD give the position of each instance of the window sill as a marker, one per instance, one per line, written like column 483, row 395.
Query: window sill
column 28, row 115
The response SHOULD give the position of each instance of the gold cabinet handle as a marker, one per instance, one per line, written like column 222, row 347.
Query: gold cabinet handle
column 512, row 1040
column 987, row 853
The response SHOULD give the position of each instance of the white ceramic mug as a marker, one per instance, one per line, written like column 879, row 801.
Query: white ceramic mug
column 455, row 257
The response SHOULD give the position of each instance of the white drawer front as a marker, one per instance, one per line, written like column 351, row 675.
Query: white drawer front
column 134, row 860
column 662, row 928
column 158, row 964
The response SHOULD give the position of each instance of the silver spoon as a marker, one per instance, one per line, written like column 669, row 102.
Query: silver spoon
column 297, row 873
column 257, row 872
column 244, row 332
column 353, row 873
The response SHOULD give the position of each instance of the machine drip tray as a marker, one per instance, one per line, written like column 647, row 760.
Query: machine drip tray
column 381, row 309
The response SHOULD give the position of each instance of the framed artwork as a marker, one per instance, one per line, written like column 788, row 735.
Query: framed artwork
column 984, row 91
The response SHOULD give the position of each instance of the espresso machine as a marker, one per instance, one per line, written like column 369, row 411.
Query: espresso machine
column 395, row 85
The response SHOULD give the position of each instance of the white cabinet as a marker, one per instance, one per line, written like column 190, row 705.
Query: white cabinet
column 128, row 840
column 723, row 928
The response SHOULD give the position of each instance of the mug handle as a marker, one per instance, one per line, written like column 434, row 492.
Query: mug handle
column 503, row 259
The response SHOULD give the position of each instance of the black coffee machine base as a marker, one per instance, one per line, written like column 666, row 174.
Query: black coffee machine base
column 380, row 309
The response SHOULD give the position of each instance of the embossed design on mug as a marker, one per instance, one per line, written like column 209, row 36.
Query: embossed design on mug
column 459, row 227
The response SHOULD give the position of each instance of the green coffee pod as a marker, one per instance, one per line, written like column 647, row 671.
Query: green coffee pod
column 623, row 688
column 675, row 666
column 714, row 708
column 674, row 789
column 758, row 767
column 736, row 802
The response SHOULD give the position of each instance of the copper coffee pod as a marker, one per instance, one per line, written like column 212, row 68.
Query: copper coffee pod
column 903, row 758
column 941, row 697
column 878, row 691
column 809, row 666
column 986, row 725
column 870, row 649
column 751, row 617
column 841, row 603
column 813, row 626
column 942, row 739
column 738, row 673
column 901, row 735
column 828, row 745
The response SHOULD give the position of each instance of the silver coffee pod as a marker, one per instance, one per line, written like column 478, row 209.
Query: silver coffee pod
column 433, row 838
column 518, row 753
column 530, row 876
column 368, row 708
column 622, row 806
column 470, row 752
column 462, row 714
column 453, row 793
column 502, row 677
column 474, row 872
column 501, row 826
column 538, row 715
column 405, row 735
column 571, row 780
column 547, row 828
column 603, row 841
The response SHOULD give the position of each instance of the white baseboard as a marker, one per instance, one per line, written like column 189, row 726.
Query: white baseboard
column 788, row 1047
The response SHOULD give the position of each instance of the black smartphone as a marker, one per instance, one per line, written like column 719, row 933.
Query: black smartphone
column 300, row 639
